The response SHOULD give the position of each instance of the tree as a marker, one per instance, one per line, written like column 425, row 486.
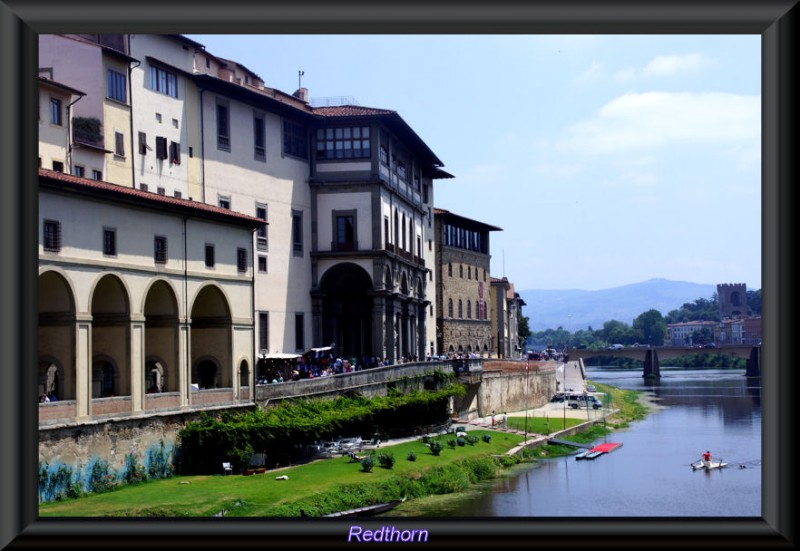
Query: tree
column 523, row 328
column 651, row 326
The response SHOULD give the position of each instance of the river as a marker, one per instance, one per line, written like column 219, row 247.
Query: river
column 650, row 475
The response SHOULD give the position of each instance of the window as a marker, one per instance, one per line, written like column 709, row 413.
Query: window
column 160, row 249
column 224, row 201
column 117, row 86
column 209, row 255
column 178, row 194
column 143, row 187
column 461, row 271
column 175, row 123
column 469, row 310
column 386, row 230
column 299, row 330
column 384, row 155
column 450, row 308
column 259, row 138
column 158, row 117
column 119, row 144
column 469, row 272
column 263, row 330
column 450, row 269
column 161, row 191
column 161, row 147
column 241, row 259
column 55, row 112
column 345, row 232
column 142, row 143
column 223, row 127
column 343, row 143
column 460, row 309
column 79, row 171
column 51, row 236
column 294, row 140
column 97, row 174
column 58, row 166
column 175, row 153
column 297, row 233
column 109, row 242
column 163, row 81
column 261, row 233
column 262, row 264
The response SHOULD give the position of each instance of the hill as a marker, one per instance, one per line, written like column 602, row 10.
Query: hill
column 575, row 309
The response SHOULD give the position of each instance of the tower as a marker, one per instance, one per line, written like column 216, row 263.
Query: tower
column 732, row 299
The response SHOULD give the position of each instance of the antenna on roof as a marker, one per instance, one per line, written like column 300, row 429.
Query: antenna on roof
column 300, row 78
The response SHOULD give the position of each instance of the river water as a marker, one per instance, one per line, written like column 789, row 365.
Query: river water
column 650, row 475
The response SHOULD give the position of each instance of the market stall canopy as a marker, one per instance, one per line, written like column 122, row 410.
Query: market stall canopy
column 280, row 356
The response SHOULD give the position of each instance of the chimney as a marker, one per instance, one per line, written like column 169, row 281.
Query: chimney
column 301, row 94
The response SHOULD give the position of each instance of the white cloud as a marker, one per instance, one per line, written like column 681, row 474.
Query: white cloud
column 594, row 72
column 668, row 65
column 624, row 75
column 646, row 121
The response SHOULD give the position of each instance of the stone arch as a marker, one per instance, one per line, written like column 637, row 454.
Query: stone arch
column 111, row 319
column 211, row 337
column 347, row 303
column 206, row 373
column 106, row 377
column 244, row 373
column 162, row 336
column 56, row 331
column 404, row 284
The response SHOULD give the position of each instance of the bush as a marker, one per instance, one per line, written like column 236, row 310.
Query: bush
column 101, row 479
column 461, row 442
column 367, row 463
column 436, row 447
column 487, row 438
column 452, row 443
column 472, row 439
column 411, row 456
column 386, row 460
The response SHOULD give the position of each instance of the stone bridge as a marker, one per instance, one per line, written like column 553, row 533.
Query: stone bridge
column 652, row 356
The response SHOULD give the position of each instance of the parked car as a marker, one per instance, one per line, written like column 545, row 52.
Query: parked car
column 710, row 345
column 557, row 397
column 580, row 401
column 591, row 388
column 616, row 347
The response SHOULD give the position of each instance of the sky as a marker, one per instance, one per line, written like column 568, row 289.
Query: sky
column 606, row 160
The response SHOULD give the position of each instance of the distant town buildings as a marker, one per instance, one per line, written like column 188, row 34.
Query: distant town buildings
column 736, row 326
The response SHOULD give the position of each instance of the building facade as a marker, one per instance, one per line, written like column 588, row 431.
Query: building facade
column 464, row 300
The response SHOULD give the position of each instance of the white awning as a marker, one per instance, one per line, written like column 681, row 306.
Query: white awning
column 280, row 356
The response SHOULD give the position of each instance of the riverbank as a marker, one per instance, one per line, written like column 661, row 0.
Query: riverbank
column 335, row 484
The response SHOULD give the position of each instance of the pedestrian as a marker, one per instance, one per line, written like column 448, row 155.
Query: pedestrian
column 494, row 420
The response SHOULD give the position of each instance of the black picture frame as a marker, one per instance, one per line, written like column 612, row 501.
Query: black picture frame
column 20, row 23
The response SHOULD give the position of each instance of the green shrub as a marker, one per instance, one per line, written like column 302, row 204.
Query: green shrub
column 367, row 463
column 487, row 438
column 452, row 443
column 101, row 478
column 411, row 456
column 461, row 442
column 436, row 447
column 472, row 439
column 386, row 460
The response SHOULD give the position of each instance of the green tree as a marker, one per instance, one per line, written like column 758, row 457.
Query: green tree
column 754, row 302
column 615, row 331
column 523, row 327
column 651, row 327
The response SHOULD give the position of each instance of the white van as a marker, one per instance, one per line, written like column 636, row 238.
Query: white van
column 579, row 400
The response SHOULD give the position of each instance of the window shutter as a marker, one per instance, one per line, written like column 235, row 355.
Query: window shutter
column 161, row 147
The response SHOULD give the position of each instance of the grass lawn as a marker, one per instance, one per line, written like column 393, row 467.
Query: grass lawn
column 543, row 425
column 257, row 495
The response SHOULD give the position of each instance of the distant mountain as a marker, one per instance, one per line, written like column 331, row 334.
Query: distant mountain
column 575, row 309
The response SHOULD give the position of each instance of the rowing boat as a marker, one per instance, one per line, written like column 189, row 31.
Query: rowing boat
column 369, row 510
column 708, row 465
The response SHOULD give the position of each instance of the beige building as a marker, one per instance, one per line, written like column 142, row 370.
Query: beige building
column 464, row 294
column 505, row 318
column 145, row 302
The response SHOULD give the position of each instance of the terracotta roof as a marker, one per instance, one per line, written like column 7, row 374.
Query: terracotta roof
column 147, row 198
column 351, row 111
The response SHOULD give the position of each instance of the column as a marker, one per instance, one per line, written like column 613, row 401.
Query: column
column 83, row 366
column 137, row 365
column 184, row 364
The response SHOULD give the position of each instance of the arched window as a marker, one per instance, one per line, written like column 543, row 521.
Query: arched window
column 450, row 308
column 469, row 310
column 450, row 269
column 460, row 309
column 461, row 270
column 469, row 272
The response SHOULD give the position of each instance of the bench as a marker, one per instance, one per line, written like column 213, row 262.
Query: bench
column 227, row 468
